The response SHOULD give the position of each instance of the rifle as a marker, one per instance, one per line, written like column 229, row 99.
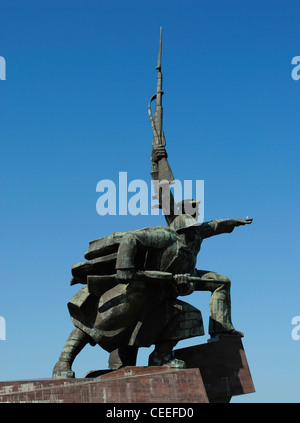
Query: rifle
column 98, row 284
column 162, row 169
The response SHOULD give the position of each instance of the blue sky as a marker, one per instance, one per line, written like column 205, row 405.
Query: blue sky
column 73, row 111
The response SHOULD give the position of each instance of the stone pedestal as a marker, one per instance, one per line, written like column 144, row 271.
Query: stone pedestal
column 215, row 372
column 223, row 367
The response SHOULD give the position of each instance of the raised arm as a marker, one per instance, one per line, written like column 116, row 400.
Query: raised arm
column 162, row 191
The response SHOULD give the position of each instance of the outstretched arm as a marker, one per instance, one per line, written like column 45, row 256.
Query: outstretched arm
column 221, row 226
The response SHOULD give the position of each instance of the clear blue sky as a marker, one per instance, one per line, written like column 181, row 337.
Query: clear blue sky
column 73, row 111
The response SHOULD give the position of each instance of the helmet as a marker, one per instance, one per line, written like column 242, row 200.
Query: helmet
column 183, row 222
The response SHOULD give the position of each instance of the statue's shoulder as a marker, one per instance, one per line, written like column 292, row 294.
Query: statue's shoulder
column 105, row 245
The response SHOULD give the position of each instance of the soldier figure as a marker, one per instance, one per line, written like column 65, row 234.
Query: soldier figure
column 133, row 313
column 132, row 281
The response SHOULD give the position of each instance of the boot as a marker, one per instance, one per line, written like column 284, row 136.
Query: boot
column 163, row 359
column 163, row 356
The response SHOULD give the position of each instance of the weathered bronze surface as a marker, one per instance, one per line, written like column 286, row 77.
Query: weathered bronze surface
column 132, row 280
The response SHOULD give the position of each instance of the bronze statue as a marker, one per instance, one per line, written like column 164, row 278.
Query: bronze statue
column 132, row 280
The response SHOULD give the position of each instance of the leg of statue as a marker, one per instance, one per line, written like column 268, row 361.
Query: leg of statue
column 122, row 357
column 220, row 304
column 74, row 344
column 163, row 355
